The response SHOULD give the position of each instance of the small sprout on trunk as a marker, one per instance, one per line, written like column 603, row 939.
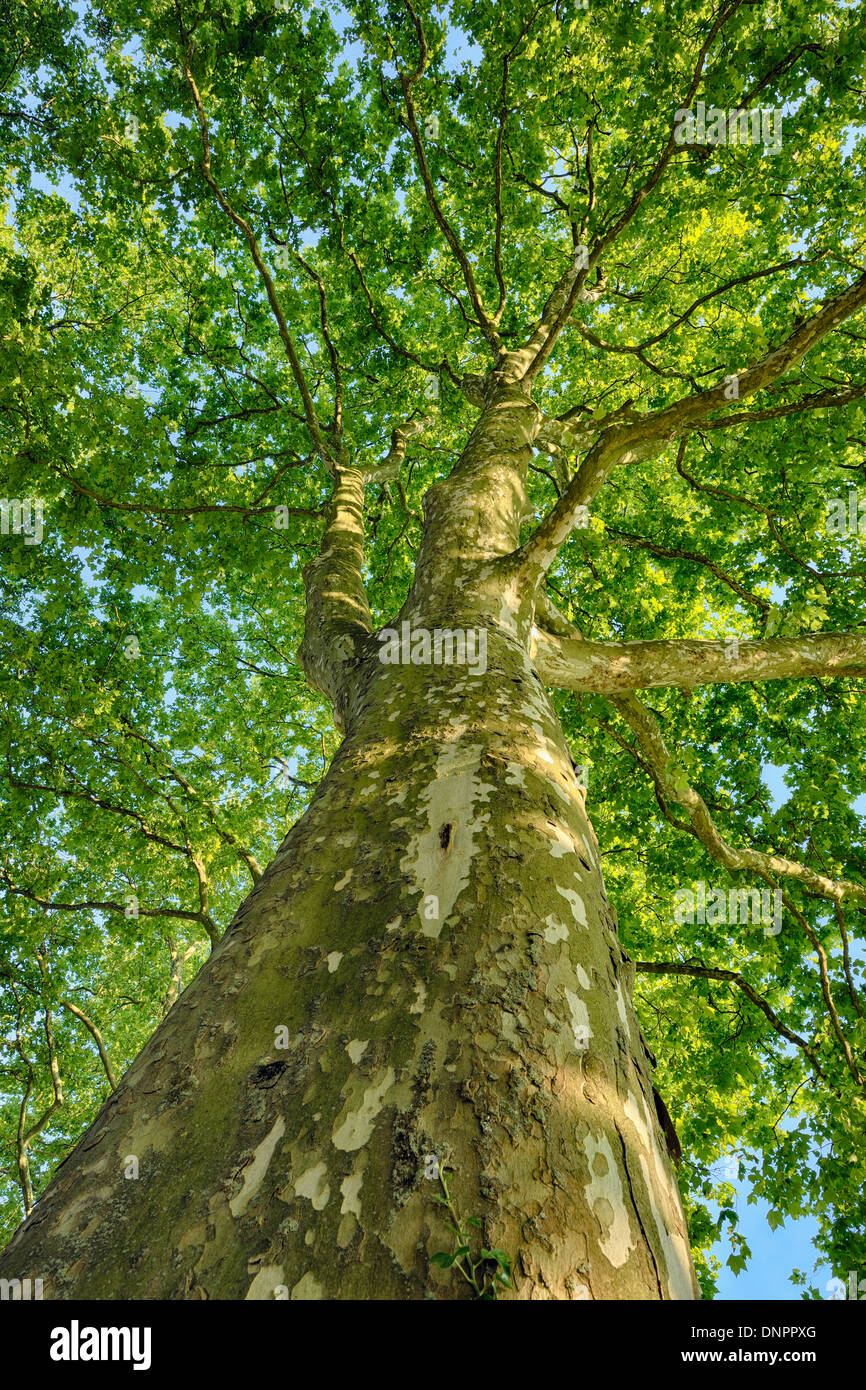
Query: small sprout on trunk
column 484, row 1280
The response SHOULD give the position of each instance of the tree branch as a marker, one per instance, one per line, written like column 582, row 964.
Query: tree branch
column 97, row 1038
column 407, row 82
column 707, row 972
column 337, row 614
column 672, row 784
column 611, row 668
column 641, row 436
column 323, row 449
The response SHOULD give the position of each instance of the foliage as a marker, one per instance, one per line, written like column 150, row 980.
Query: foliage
column 484, row 1282
column 157, row 736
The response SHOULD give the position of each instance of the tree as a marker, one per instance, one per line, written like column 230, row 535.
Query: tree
column 501, row 367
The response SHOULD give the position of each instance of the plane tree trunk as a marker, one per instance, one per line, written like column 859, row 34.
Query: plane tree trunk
column 429, row 967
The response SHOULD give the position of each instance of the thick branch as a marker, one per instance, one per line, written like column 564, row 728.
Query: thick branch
column 388, row 469
column 611, row 668
column 337, row 615
column 673, row 786
column 642, row 436
column 97, row 1038
column 109, row 905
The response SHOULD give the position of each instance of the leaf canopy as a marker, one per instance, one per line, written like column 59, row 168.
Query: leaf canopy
column 158, row 736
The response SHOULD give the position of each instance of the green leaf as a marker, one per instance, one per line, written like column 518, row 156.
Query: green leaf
column 443, row 1259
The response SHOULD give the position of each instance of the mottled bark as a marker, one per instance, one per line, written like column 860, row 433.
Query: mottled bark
column 614, row 668
column 409, row 1034
column 429, row 966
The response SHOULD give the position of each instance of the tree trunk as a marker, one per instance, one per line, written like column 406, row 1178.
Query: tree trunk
column 429, row 966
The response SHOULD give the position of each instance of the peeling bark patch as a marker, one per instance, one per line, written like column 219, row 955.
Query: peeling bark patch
column 621, row 1009
column 442, row 871
column 605, row 1197
column 508, row 1030
column 313, row 1184
column 357, row 1125
column 508, row 608
column 579, row 1021
column 556, row 930
column 256, row 1169
column 564, row 840
column 334, row 960
column 307, row 1288
column 575, row 902
column 351, row 1190
column 73, row 1218
column 677, row 1259
column 265, row 1282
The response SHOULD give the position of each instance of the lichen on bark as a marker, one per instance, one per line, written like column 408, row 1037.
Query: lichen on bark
column 434, row 941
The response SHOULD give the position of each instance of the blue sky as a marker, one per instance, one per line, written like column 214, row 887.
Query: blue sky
column 774, row 1255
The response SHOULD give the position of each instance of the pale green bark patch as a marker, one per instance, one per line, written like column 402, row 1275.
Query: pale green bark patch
column 579, row 1020
column 314, row 1185
column 605, row 1197
column 575, row 902
column 267, row 1279
column 555, row 930
column 356, row 1126
column 438, row 863
column 307, row 1288
column 256, row 1169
